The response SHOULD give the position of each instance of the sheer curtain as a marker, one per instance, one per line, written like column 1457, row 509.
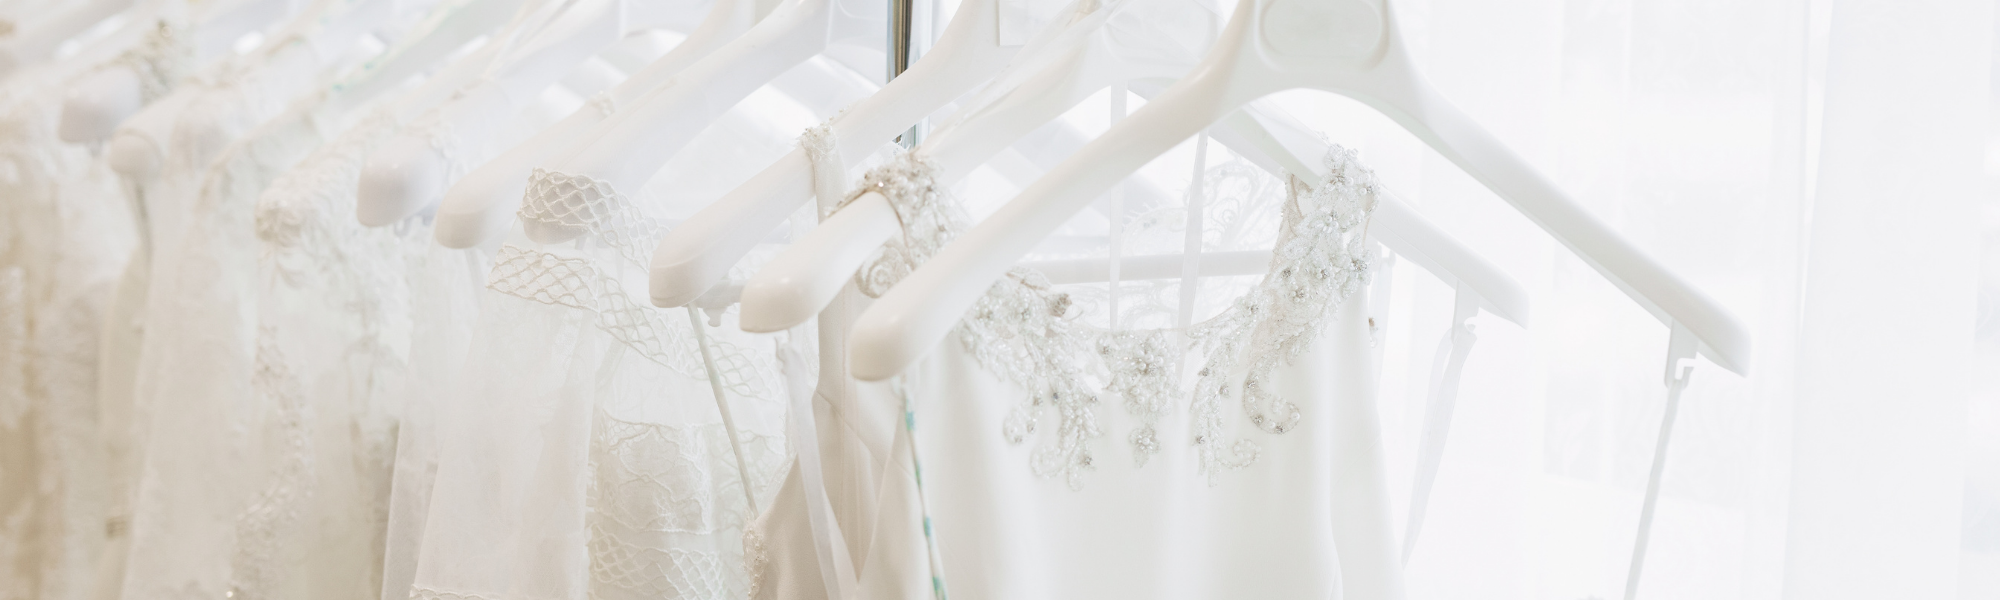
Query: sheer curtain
column 1818, row 167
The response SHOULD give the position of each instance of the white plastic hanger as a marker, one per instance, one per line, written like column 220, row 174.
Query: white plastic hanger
column 690, row 259
column 1295, row 149
column 328, row 29
column 479, row 206
column 36, row 37
column 98, row 102
column 1349, row 47
column 1048, row 80
column 632, row 145
column 448, row 27
column 1254, row 135
column 798, row 282
column 408, row 173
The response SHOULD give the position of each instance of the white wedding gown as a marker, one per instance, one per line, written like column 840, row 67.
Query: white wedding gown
column 581, row 453
column 294, row 406
column 359, row 331
column 1060, row 459
column 65, row 234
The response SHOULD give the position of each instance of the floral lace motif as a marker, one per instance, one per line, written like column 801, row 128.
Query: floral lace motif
column 1027, row 332
column 1322, row 257
column 262, row 526
column 651, row 485
column 161, row 60
column 909, row 182
column 650, row 477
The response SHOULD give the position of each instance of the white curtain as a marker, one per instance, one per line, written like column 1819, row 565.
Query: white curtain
column 1817, row 166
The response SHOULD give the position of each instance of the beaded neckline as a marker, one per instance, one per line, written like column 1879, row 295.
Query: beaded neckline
column 1027, row 332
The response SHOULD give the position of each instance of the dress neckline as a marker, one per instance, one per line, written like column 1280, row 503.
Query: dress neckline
column 1026, row 331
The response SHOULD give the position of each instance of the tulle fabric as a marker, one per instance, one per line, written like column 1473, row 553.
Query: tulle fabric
column 331, row 342
column 199, row 398
column 359, row 329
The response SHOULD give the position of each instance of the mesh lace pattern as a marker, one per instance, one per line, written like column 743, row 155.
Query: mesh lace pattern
column 578, row 283
column 577, row 204
column 668, row 573
column 652, row 484
column 1028, row 333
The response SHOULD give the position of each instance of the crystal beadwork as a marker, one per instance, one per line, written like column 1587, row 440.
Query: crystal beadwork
column 1026, row 332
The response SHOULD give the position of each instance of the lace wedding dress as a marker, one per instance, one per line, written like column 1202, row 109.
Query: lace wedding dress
column 582, row 453
column 1227, row 423
column 64, row 236
column 200, row 466
column 359, row 329
column 160, row 199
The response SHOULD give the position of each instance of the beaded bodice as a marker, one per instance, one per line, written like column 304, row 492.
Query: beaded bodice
column 1028, row 332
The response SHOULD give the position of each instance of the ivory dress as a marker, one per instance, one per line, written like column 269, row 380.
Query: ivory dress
column 64, row 236
column 1060, row 459
column 359, row 330
column 582, row 454
column 200, row 467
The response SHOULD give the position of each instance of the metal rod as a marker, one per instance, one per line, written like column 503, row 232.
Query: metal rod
column 906, row 44
column 900, row 52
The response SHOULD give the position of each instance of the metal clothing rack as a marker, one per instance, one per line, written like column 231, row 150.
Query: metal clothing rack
column 909, row 36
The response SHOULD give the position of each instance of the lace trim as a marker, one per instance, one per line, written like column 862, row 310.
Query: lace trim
column 161, row 59
column 1321, row 259
column 260, row 528
column 909, row 182
column 818, row 142
column 669, row 573
column 1026, row 332
column 756, row 560
column 578, row 204
column 649, row 477
column 652, row 481
column 604, row 104
column 577, row 283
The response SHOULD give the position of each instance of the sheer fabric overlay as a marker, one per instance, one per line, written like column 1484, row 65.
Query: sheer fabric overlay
column 583, row 454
